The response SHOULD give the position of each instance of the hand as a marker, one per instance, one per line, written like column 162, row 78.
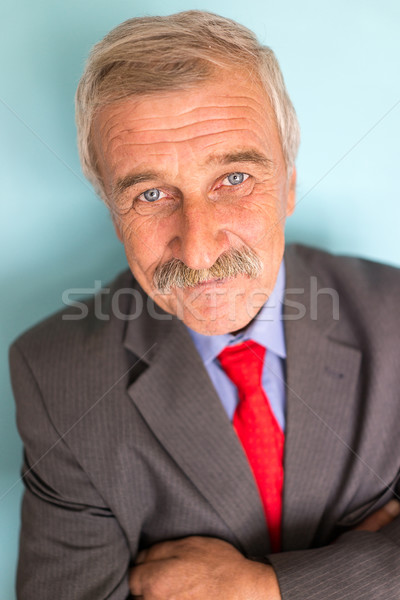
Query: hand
column 381, row 517
column 200, row 568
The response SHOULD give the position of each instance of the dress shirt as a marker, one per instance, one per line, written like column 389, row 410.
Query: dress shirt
column 266, row 329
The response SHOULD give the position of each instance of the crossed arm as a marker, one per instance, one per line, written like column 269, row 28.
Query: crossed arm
column 202, row 568
column 73, row 547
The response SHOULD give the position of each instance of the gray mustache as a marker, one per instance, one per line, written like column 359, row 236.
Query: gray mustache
column 234, row 262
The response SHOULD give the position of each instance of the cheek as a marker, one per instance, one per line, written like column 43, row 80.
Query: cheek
column 258, row 217
column 144, row 240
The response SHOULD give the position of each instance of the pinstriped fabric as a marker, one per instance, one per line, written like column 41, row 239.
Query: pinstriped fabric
column 359, row 566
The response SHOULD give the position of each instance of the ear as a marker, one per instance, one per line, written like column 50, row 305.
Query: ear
column 291, row 198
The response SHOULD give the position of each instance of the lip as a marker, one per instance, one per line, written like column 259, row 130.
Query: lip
column 213, row 282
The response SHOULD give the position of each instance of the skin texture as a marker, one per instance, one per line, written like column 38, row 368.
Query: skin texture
column 178, row 140
column 200, row 568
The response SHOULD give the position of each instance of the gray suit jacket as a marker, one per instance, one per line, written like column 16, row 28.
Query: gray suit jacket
column 127, row 444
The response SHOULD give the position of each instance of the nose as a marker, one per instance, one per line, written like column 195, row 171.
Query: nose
column 200, row 237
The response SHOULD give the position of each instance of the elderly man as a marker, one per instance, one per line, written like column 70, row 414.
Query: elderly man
column 223, row 420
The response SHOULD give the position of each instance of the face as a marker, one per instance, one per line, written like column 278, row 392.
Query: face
column 191, row 175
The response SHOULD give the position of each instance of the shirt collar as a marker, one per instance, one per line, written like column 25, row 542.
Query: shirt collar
column 266, row 328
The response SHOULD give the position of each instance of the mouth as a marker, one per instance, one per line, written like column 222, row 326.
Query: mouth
column 213, row 282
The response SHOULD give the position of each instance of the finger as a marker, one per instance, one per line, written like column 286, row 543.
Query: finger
column 393, row 508
column 145, row 578
column 163, row 550
column 135, row 584
column 381, row 517
column 138, row 580
column 141, row 557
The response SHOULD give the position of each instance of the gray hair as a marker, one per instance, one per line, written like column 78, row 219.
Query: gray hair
column 146, row 55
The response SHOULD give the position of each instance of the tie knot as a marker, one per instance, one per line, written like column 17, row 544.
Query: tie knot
column 243, row 363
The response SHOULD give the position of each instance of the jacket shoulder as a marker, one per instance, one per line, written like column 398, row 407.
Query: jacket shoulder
column 367, row 290
column 347, row 272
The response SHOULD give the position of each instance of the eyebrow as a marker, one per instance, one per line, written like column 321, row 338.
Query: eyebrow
column 133, row 179
column 249, row 156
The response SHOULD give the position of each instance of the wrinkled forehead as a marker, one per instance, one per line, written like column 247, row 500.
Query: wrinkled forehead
column 231, row 101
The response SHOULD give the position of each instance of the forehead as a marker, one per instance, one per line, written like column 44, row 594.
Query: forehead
column 230, row 111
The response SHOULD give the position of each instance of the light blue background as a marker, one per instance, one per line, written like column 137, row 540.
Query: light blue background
column 341, row 64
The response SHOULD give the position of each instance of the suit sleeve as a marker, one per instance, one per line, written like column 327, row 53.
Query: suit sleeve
column 359, row 565
column 71, row 545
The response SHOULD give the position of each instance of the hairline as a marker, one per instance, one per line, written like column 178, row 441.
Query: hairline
column 259, row 61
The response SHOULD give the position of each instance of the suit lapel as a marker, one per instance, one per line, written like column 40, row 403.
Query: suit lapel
column 178, row 401
column 322, row 375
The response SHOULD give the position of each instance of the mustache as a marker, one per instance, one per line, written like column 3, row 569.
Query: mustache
column 233, row 262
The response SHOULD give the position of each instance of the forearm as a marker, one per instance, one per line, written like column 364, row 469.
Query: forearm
column 360, row 565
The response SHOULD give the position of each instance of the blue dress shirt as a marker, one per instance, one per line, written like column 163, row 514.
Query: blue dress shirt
column 266, row 329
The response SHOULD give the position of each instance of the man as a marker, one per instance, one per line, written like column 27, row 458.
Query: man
column 150, row 463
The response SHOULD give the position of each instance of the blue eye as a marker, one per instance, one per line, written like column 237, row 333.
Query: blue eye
column 152, row 195
column 235, row 178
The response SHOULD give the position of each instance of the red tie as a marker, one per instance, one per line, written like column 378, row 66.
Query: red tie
column 255, row 424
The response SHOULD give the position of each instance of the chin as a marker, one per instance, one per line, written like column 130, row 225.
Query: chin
column 217, row 326
column 218, row 307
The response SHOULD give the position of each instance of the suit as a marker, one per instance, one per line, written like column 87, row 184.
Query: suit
column 147, row 452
